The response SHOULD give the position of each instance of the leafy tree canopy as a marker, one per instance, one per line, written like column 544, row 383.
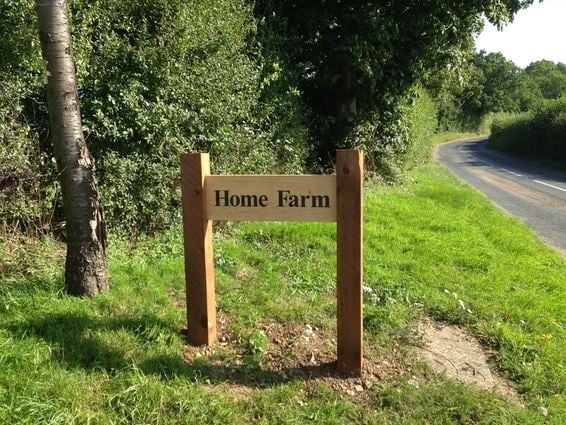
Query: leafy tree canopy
column 487, row 83
column 356, row 57
column 156, row 78
column 496, row 81
column 548, row 77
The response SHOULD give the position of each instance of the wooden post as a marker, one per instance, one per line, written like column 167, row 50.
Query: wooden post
column 199, row 258
column 349, row 237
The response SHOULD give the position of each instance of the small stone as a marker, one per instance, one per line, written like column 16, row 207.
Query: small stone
column 543, row 410
column 413, row 381
column 309, row 330
column 358, row 388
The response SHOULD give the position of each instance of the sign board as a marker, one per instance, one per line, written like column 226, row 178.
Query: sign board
column 271, row 198
column 332, row 198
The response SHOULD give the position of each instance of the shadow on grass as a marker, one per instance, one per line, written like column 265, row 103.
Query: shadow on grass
column 86, row 342
column 249, row 375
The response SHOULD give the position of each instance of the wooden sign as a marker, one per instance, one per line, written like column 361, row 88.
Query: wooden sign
column 271, row 198
column 275, row 198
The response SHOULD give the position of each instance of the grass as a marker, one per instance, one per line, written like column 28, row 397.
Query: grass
column 431, row 247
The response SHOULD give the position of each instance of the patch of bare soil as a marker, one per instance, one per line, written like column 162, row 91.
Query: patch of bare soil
column 309, row 353
column 450, row 351
column 177, row 300
column 294, row 352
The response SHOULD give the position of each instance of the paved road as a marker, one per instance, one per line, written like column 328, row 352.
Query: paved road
column 533, row 193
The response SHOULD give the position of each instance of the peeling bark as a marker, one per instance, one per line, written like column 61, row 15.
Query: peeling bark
column 86, row 267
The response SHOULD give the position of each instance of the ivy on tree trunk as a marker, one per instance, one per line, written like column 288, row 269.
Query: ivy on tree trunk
column 86, row 266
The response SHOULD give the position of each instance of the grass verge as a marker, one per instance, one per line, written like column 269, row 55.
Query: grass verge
column 433, row 247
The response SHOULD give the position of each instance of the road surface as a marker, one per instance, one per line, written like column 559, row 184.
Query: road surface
column 529, row 191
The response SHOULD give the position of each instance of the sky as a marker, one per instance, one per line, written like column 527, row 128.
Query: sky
column 538, row 32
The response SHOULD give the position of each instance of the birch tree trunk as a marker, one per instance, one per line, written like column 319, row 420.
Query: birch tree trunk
column 85, row 267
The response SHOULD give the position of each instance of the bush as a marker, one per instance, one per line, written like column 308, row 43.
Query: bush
column 155, row 79
column 160, row 78
column 540, row 134
column 423, row 124
column 27, row 190
column 398, row 139
column 508, row 131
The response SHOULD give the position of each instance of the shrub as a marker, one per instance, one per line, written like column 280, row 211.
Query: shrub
column 27, row 190
column 423, row 124
column 160, row 78
column 509, row 131
column 155, row 79
column 539, row 134
column 397, row 139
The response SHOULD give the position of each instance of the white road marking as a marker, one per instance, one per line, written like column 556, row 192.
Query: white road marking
column 550, row 185
column 511, row 172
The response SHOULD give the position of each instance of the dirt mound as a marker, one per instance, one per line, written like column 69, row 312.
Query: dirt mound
column 308, row 353
column 450, row 351
column 305, row 352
